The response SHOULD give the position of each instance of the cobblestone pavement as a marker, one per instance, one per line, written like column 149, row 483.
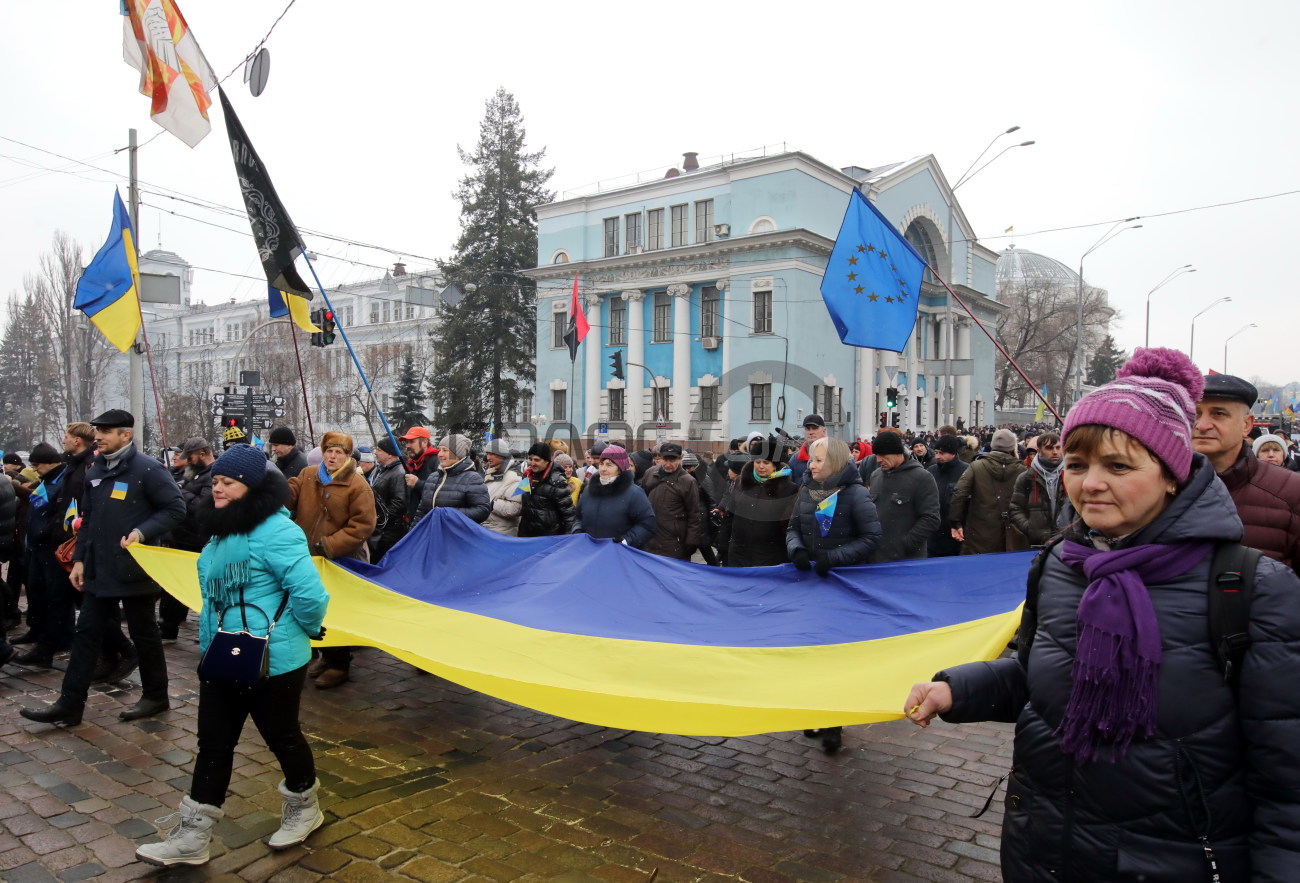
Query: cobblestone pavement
column 431, row 782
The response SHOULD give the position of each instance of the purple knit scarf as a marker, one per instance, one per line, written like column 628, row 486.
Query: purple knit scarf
column 1117, row 660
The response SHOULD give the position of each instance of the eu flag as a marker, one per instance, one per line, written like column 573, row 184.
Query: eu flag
column 872, row 283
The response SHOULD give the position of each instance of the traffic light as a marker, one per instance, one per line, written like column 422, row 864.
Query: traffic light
column 317, row 320
column 327, row 327
column 884, row 418
column 891, row 397
column 894, row 423
column 616, row 364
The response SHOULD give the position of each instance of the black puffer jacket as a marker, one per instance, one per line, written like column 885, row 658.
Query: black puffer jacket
column 1223, row 767
column 548, row 505
column 461, row 488
column 855, row 529
column 760, row 515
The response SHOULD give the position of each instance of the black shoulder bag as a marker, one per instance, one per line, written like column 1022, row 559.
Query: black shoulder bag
column 239, row 659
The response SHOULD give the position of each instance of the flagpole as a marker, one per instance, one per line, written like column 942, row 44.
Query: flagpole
column 133, row 204
column 1001, row 349
column 302, row 379
column 351, row 352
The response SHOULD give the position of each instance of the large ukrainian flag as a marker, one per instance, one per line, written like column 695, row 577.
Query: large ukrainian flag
column 598, row 632
column 109, row 291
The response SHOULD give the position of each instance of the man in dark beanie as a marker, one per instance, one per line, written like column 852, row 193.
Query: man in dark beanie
column 284, row 445
column 547, row 498
column 387, row 480
column 906, row 499
column 129, row 498
column 946, row 471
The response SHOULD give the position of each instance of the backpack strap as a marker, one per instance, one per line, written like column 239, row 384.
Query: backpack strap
column 1232, row 585
column 1029, row 618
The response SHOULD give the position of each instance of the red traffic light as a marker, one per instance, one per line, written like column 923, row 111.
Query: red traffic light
column 233, row 422
column 329, row 315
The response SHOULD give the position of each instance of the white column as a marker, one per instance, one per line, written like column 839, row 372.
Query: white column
column 961, row 396
column 945, row 352
column 682, row 380
column 634, row 404
column 592, row 370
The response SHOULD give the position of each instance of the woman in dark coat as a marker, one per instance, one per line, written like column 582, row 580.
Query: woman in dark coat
column 457, row 484
column 547, row 498
column 761, row 507
column 1135, row 759
column 612, row 506
column 834, row 525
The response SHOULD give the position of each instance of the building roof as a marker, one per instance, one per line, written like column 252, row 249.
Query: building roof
column 1019, row 266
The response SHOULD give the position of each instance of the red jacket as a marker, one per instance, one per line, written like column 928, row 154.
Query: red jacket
column 1268, row 501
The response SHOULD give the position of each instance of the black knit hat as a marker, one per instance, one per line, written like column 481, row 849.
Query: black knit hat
column 887, row 443
column 948, row 444
column 243, row 463
column 44, row 452
column 540, row 449
column 282, row 435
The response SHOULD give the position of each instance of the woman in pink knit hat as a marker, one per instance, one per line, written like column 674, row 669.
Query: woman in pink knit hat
column 1141, row 753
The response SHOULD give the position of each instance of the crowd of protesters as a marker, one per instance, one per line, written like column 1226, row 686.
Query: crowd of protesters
column 68, row 518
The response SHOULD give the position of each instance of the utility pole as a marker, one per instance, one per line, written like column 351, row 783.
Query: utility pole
column 136, row 365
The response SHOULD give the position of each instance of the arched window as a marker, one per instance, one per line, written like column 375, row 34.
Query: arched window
column 561, row 257
column 919, row 236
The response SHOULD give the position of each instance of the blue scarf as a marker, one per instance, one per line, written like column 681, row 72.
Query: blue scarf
column 780, row 473
column 228, row 570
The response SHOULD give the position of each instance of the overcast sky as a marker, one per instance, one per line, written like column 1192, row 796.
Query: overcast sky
column 1136, row 108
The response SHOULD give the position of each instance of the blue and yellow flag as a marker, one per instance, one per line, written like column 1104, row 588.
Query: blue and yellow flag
column 825, row 513
column 872, row 283
column 1042, row 404
column 109, row 291
column 525, row 487
column 70, row 516
column 595, row 631
column 284, row 303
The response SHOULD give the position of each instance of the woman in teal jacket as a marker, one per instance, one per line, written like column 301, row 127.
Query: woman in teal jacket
column 257, row 549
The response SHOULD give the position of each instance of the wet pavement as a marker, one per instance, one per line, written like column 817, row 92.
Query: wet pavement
column 425, row 780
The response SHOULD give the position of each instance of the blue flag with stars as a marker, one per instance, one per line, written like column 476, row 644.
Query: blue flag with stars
column 872, row 285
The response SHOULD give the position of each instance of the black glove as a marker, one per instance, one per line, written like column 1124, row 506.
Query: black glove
column 822, row 564
column 800, row 559
column 319, row 635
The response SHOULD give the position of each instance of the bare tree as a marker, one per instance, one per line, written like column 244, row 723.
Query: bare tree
column 79, row 354
column 1038, row 330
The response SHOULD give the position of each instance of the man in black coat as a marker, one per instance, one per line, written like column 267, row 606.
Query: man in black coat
column 196, row 490
column 284, row 445
column 906, row 499
column 946, row 471
column 129, row 498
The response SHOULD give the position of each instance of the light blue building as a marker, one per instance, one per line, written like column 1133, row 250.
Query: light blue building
column 707, row 283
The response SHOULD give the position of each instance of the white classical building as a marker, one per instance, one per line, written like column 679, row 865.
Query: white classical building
column 199, row 349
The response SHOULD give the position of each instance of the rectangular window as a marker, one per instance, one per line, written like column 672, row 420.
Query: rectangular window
column 616, row 409
column 611, row 237
column 374, row 313
column 230, row 332
column 559, row 400
column 654, row 229
column 388, row 314
column 704, row 220
column 617, row 321
column 708, row 404
column 663, row 403
column 663, row 326
column 710, row 312
column 349, row 316
column 679, row 219
column 633, row 232
column 560, row 324
column 526, row 407
column 762, row 312
column 760, row 402
column 410, row 311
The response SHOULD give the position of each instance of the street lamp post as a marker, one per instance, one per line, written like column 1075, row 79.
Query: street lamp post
column 1185, row 268
column 1110, row 234
column 1230, row 337
column 970, row 172
column 1191, row 344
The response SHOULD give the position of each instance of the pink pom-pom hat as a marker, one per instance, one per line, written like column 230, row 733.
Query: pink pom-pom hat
column 1152, row 398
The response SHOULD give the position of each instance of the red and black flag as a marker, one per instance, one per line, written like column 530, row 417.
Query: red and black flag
column 578, row 326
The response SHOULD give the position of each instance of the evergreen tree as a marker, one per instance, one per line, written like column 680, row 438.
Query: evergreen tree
column 484, row 345
column 408, row 397
column 1105, row 362
column 28, row 388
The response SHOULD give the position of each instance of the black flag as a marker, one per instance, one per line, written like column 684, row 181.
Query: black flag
column 278, row 242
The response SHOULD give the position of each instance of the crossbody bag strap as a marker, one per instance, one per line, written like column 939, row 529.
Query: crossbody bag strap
column 243, row 612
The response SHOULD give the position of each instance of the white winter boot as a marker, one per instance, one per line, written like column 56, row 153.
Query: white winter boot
column 299, row 816
column 187, row 843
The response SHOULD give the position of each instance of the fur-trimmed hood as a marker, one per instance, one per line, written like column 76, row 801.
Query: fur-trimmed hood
column 620, row 483
column 245, row 514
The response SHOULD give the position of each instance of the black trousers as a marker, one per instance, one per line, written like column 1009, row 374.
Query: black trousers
column 171, row 611
column 51, row 601
column 97, row 620
column 273, row 705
